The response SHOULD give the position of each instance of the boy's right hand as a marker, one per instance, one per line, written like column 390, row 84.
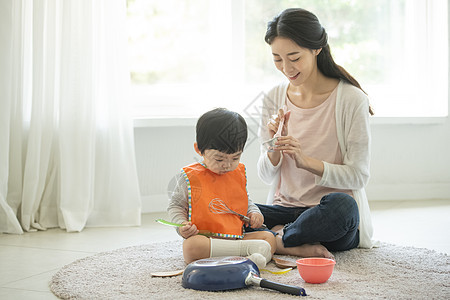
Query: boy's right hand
column 188, row 230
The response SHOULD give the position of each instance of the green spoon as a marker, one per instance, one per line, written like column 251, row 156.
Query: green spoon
column 164, row 222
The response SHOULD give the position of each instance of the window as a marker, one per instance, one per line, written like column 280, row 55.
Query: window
column 187, row 56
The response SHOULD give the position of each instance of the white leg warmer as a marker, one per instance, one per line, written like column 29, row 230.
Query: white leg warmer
column 258, row 251
column 258, row 259
column 249, row 247
column 221, row 247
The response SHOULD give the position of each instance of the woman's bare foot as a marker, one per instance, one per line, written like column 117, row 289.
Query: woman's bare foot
column 306, row 250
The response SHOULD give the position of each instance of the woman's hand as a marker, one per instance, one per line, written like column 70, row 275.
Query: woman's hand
column 274, row 123
column 188, row 230
column 273, row 126
column 256, row 220
column 291, row 146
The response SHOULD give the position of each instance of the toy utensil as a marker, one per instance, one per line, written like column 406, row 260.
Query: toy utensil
column 283, row 271
column 164, row 222
column 167, row 273
column 283, row 263
column 270, row 144
column 217, row 206
column 201, row 232
column 227, row 273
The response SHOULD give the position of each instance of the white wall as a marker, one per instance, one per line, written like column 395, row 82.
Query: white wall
column 409, row 161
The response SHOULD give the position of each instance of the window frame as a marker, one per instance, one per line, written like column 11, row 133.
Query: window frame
column 237, row 34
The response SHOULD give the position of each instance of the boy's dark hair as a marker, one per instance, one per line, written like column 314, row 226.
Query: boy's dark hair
column 221, row 130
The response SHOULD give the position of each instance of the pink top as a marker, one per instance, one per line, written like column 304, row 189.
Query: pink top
column 315, row 128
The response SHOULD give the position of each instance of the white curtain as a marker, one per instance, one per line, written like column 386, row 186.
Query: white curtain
column 66, row 141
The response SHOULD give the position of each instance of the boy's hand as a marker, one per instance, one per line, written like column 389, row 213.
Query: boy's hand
column 256, row 220
column 188, row 230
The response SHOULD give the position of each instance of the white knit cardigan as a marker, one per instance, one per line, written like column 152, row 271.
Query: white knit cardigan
column 353, row 132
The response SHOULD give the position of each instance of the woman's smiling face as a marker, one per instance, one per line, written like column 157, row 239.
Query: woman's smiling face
column 295, row 62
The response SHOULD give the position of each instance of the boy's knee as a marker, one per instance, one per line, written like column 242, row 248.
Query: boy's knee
column 270, row 238
column 195, row 247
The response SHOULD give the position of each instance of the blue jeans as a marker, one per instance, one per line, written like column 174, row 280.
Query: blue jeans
column 333, row 223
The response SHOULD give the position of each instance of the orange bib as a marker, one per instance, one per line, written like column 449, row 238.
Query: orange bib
column 204, row 186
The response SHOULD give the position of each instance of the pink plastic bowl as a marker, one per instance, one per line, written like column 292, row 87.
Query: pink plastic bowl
column 315, row 269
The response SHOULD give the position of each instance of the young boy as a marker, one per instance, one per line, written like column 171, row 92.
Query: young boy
column 221, row 137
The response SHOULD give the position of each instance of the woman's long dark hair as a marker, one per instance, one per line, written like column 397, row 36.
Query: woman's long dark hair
column 304, row 28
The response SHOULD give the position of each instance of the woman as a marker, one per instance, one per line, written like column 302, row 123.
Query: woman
column 319, row 166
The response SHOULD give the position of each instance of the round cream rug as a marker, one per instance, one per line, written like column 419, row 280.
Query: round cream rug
column 387, row 272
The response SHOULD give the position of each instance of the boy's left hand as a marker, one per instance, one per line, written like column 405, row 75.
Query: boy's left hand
column 256, row 220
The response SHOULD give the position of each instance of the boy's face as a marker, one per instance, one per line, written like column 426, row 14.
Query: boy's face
column 219, row 162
